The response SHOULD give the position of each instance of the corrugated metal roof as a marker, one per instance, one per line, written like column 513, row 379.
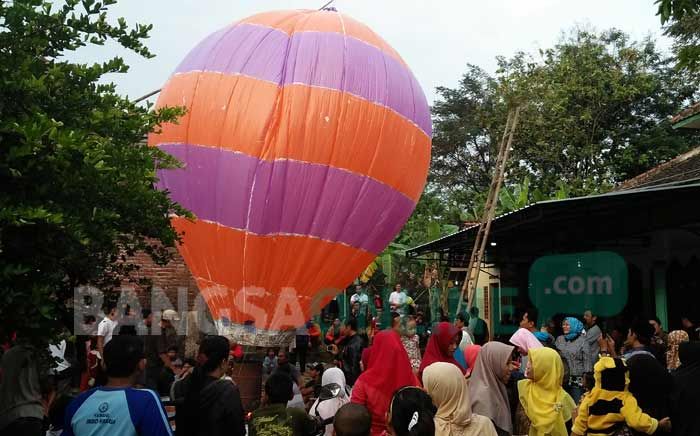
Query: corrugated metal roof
column 688, row 184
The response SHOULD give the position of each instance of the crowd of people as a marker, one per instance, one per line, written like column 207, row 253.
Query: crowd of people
column 569, row 376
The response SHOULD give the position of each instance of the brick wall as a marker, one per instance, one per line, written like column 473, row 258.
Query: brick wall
column 169, row 278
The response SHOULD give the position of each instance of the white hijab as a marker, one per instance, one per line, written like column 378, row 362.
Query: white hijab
column 328, row 408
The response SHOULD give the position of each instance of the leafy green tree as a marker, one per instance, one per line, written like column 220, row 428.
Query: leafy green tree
column 682, row 20
column 77, row 178
column 595, row 112
column 515, row 196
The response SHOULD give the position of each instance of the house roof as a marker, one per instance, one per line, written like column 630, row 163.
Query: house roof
column 685, row 167
column 687, row 118
column 565, row 221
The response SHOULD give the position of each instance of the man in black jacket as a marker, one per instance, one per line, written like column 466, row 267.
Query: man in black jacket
column 352, row 351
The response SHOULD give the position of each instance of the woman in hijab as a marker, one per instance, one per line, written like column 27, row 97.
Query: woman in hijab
column 488, row 385
column 574, row 348
column 685, row 402
column 388, row 369
column 441, row 346
column 650, row 384
column 471, row 352
column 675, row 338
column 450, row 393
column 547, row 406
column 410, row 341
column 411, row 413
column 328, row 408
column 524, row 340
column 364, row 359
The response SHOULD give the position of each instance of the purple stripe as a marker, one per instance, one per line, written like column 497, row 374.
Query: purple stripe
column 247, row 49
column 325, row 59
column 286, row 197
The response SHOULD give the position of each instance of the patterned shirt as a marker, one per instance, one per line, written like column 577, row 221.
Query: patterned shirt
column 411, row 344
column 577, row 354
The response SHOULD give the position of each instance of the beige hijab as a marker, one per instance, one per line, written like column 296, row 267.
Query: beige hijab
column 489, row 395
column 446, row 385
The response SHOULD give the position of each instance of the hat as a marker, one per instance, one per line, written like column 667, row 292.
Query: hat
column 170, row 315
column 318, row 366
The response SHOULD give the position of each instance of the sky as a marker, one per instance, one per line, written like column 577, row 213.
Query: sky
column 437, row 39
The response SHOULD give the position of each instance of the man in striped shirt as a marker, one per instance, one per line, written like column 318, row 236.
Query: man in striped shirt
column 117, row 408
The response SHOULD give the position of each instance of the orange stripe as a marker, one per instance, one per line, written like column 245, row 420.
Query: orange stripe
column 292, row 22
column 223, row 261
column 299, row 122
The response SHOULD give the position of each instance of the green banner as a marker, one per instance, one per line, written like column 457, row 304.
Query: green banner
column 504, row 317
column 573, row 283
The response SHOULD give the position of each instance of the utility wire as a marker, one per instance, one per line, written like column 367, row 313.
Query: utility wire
column 326, row 5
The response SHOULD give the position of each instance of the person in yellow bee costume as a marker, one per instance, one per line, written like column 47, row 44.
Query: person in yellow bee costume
column 610, row 406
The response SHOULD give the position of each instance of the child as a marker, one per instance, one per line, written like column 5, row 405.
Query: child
column 93, row 370
column 609, row 405
column 270, row 362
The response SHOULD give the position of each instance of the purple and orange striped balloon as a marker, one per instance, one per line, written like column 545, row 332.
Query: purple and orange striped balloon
column 306, row 146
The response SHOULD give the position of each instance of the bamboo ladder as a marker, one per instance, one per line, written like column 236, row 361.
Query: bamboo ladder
column 482, row 236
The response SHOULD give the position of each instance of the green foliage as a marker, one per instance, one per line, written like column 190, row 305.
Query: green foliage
column 676, row 9
column 77, row 178
column 515, row 197
column 433, row 217
column 682, row 20
column 595, row 112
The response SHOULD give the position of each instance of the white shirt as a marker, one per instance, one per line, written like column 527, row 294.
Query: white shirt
column 59, row 352
column 397, row 298
column 106, row 329
column 466, row 339
column 363, row 299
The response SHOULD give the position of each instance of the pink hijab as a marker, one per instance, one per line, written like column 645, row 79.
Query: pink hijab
column 525, row 340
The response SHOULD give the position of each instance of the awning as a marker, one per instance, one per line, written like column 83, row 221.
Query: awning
column 582, row 221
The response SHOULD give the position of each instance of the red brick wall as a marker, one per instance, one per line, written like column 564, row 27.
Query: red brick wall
column 169, row 278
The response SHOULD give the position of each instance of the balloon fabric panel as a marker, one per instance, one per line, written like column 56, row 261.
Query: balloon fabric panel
column 368, row 138
column 275, row 261
column 291, row 22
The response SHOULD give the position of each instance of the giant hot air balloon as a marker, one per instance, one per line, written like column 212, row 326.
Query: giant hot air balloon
column 305, row 147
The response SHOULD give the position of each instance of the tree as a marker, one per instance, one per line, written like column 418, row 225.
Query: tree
column 682, row 20
column 595, row 112
column 77, row 179
column 468, row 123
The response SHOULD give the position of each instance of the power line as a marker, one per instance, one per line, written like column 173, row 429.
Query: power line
column 150, row 94
column 326, row 5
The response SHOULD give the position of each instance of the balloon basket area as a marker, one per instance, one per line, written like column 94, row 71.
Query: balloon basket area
column 252, row 336
column 247, row 374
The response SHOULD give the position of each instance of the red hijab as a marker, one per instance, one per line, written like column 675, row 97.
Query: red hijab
column 388, row 369
column 470, row 355
column 438, row 347
column 365, row 358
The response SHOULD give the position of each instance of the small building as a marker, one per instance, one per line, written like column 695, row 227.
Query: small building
column 631, row 252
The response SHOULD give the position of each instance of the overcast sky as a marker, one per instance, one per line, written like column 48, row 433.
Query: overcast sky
column 436, row 38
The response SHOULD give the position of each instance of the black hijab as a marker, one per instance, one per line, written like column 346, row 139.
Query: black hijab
column 651, row 385
column 685, row 402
